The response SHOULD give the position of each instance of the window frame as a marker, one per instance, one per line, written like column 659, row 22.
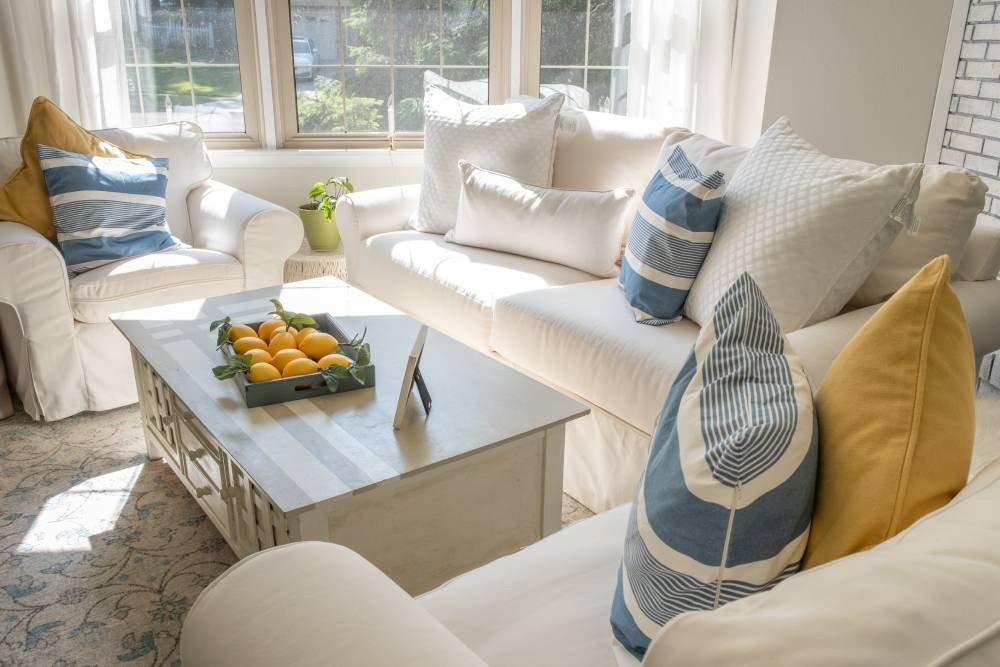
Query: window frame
column 248, row 63
column 283, row 84
column 531, row 50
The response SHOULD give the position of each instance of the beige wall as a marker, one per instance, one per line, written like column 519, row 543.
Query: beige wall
column 751, row 61
column 858, row 78
column 8, row 125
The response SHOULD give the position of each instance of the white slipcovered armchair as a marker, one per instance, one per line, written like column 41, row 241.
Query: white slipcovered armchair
column 62, row 353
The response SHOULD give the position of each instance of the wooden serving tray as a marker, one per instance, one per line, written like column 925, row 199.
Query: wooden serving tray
column 257, row 394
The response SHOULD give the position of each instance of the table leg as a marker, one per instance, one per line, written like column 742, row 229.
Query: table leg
column 552, row 479
column 147, row 408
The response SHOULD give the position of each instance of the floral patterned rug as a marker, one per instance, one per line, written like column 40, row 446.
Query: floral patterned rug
column 102, row 551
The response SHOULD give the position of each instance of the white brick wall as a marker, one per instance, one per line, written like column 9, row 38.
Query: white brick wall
column 972, row 139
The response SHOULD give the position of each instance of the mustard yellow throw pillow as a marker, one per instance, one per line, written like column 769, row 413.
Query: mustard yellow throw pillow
column 24, row 197
column 896, row 418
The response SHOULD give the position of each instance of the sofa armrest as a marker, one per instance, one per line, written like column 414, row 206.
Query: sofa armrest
column 981, row 260
column 36, row 324
column 313, row 603
column 261, row 235
column 819, row 344
column 364, row 214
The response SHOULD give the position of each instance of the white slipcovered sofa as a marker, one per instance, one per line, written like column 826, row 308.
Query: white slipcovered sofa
column 62, row 353
column 925, row 597
column 575, row 331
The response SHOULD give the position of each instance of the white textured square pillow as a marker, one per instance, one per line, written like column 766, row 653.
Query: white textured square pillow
column 808, row 228
column 946, row 210
column 578, row 228
column 516, row 139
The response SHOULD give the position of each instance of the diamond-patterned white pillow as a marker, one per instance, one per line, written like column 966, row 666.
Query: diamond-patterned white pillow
column 807, row 227
column 517, row 139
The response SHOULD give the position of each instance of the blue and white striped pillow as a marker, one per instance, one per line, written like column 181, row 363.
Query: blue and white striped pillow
column 670, row 237
column 724, row 506
column 106, row 208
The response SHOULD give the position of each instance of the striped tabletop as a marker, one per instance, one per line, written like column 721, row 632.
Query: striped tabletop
column 310, row 450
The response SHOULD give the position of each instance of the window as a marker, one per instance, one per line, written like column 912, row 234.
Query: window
column 579, row 48
column 192, row 60
column 350, row 72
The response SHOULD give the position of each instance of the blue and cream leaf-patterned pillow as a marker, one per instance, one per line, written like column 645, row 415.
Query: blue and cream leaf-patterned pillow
column 106, row 208
column 671, row 234
column 724, row 505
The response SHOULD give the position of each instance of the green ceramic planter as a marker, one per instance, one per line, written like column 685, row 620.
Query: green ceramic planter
column 321, row 233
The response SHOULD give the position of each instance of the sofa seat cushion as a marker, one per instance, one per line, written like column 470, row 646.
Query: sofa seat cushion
column 584, row 339
column 156, row 279
column 546, row 605
column 449, row 286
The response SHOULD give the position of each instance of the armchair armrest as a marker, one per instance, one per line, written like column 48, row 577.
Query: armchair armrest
column 36, row 324
column 313, row 603
column 371, row 212
column 261, row 235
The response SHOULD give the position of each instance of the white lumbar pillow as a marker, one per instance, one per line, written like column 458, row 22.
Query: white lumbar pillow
column 807, row 227
column 516, row 139
column 578, row 228
column 946, row 210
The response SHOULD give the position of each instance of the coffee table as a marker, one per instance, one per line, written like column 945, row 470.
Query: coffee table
column 478, row 478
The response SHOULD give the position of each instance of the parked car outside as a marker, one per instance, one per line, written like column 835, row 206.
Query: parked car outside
column 305, row 57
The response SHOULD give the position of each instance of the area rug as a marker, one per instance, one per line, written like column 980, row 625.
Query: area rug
column 102, row 552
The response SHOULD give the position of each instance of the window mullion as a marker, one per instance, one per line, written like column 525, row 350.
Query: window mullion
column 531, row 46
column 129, row 11
column 586, row 47
column 343, row 71
column 187, row 54
column 390, row 103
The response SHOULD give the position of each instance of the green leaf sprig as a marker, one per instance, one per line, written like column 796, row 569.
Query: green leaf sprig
column 333, row 375
column 223, row 326
column 357, row 339
column 292, row 319
column 235, row 363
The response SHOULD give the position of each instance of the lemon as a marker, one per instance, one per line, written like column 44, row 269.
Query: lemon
column 238, row 331
column 259, row 356
column 318, row 345
column 299, row 367
column 281, row 341
column 282, row 357
column 262, row 372
column 302, row 334
column 282, row 329
column 265, row 330
column 243, row 345
column 335, row 359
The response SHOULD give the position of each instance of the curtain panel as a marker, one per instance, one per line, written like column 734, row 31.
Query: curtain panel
column 71, row 51
column 680, row 60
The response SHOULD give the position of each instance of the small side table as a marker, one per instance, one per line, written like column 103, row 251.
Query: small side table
column 308, row 263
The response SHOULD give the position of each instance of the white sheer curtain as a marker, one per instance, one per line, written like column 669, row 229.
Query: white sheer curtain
column 680, row 60
column 71, row 51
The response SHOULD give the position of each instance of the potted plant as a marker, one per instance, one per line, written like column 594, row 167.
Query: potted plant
column 318, row 216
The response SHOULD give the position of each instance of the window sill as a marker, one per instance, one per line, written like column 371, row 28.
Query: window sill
column 291, row 158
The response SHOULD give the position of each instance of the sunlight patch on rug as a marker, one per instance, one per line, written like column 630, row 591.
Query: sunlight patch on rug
column 69, row 519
